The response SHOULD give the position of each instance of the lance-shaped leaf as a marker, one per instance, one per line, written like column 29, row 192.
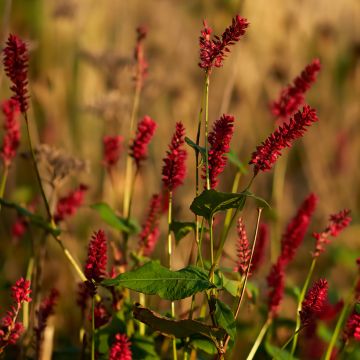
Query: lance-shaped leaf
column 197, row 148
column 177, row 328
column 181, row 229
column 154, row 279
column 233, row 158
column 225, row 318
column 108, row 215
column 34, row 219
column 209, row 202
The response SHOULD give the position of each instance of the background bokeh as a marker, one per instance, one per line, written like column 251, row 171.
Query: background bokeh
column 81, row 86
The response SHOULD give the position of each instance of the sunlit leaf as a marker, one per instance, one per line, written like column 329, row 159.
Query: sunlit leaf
column 181, row 229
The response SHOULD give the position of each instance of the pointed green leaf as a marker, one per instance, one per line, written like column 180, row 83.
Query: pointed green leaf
column 233, row 158
column 108, row 215
column 278, row 353
column 34, row 219
column 202, row 344
column 181, row 229
column 155, row 279
column 225, row 318
column 197, row 148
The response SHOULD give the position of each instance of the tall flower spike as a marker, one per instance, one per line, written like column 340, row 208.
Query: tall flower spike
column 68, row 205
column 139, row 147
column 261, row 241
column 142, row 65
column 352, row 328
column 174, row 170
column 243, row 249
column 292, row 97
column 212, row 52
column 16, row 58
column 267, row 153
column 121, row 348
column 314, row 302
column 150, row 229
column 11, row 140
column 297, row 228
column 276, row 283
column 112, row 150
column 219, row 140
column 337, row 223
column 95, row 267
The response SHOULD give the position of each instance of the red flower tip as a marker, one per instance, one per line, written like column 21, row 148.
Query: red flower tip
column 297, row 228
column 337, row 223
column 112, row 150
column 21, row 291
column 352, row 329
column 267, row 153
column 121, row 348
column 276, row 283
column 68, row 205
column 174, row 169
column 139, row 147
column 292, row 97
column 243, row 249
column 213, row 52
column 314, row 302
column 11, row 140
column 150, row 229
column 259, row 251
column 142, row 65
column 16, row 58
column 95, row 267
column 101, row 315
column 219, row 140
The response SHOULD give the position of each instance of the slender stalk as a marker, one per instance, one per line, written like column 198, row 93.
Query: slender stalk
column 207, row 83
column 340, row 322
column 259, row 339
column 3, row 182
column 142, row 301
column 211, row 244
column 26, row 311
column 93, row 328
column 299, row 307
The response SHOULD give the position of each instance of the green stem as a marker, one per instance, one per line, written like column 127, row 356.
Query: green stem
column 3, row 181
column 211, row 245
column 259, row 339
column 26, row 307
column 207, row 83
column 340, row 322
column 142, row 301
column 93, row 328
column 299, row 307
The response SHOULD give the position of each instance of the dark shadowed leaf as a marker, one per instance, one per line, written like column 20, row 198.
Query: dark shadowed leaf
column 181, row 229
column 34, row 219
column 233, row 158
column 108, row 215
column 154, row 279
column 143, row 347
column 225, row 318
column 198, row 148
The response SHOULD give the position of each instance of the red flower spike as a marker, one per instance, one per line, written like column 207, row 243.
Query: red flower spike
column 112, row 150
column 68, row 205
column 276, row 283
column 261, row 241
column 150, row 229
column 95, row 267
column 16, row 58
column 243, row 249
column 145, row 131
column 267, row 153
column 337, row 223
column 352, row 329
column 46, row 309
column 174, row 169
column 21, row 291
column 213, row 52
column 101, row 315
column 292, row 97
column 219, row 140
column 314, row 302
column 297, row 228
column 121, row 348
column 142, row 65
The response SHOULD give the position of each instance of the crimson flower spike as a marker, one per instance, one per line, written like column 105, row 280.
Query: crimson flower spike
column 112, row 150
column 95, row 267
column 314, row 302
column 16, row 59
column 267, row 153
column 219, row 140
column 120, row 350
column 337, row 223
column 243, row 249
column 296, row 229
column 11, row 140
column 292, row 97
column 352, row 328
column 276, row 283
column 174, row 170
column 213, row 52
column 144, row 133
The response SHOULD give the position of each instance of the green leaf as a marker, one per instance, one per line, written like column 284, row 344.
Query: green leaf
column 181, row 229
column 108, row 215
column 154, row 279
column 231, row 286
column 34, row 219
column 177, row 328
column 198, row 148
column 233, row 158
column 277, row 353
column 143, row 347
column 357, row 308
column 225, row 318
column 203, row 344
